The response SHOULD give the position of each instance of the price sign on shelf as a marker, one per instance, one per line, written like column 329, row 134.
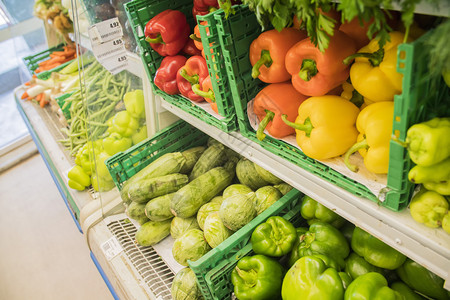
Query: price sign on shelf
column 108, row 45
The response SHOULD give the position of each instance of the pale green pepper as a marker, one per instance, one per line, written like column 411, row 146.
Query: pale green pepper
column 428, row 207
column 123, row 123
column 116, row 143
column 78, row 178
column 134, row 103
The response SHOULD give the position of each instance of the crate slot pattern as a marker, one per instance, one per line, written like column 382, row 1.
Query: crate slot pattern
column 154, row 271
column 139, row 12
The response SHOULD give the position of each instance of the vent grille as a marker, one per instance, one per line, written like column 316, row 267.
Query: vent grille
column 154, row 271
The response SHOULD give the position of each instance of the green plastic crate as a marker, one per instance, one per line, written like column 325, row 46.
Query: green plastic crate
column 32, row 61
column 177, row 137
column 237, row 32
column 60, row 100
column 241, row 29
column 139, row 12
column 424, row 97
column 213, row 270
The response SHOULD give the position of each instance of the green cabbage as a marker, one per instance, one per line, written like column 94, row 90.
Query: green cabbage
column 236, row 189
column 214, row 231
column 206, row 210
column 179, row 226
column 237, row 210
column 190, row 246
column 184, row 286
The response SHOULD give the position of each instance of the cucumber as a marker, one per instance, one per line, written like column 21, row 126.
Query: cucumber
column 152, row 232
column 246, row 173
column 136, row 211
column 188, row 199
column 213, row 156
column 192, row 155
column 144, row 190
column 166, row 164
column 267, row 176
column 158, row 209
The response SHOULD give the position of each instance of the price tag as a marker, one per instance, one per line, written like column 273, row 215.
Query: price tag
column 105, row 31
column 103, row 51
column 116, row 64
column 111, row 248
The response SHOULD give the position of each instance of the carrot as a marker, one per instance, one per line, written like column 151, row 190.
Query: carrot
column 27, row 83
column 43, row 102
column 24, row 95
column 39, row 97
column 38, row 70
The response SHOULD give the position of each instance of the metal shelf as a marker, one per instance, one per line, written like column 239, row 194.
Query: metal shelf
column 427, row 246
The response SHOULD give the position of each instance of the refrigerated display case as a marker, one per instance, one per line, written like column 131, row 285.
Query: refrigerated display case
column 135, row 272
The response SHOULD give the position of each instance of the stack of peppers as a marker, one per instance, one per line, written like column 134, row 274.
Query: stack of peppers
column 326, row 262
column 125, row 128
column 178, row 74
column 428, row 146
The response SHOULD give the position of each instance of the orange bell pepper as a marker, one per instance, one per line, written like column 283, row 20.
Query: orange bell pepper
column 206, row 91
column 315, row 73
column 357, row 30
column 268, row 51
column 270, row 103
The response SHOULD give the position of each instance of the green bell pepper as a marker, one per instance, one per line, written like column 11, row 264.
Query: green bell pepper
column 101, row 184
column 139, row 135
column 347, row 231
column 257, row 277
column 294, row 255
column 435, row 177
column 115, row 143
column 85, row 155
column 134, row 103
column 446, row 222
column 371, row 286
column 323, row 238
column 356, row 266
column 312, row 211
column 78, row 178
column 275, row 237
column 422, row 280
column 311, row 279
column 405, row 291
column 123, row 123
column 428, row 207
column 375, row 251
column 429, row 142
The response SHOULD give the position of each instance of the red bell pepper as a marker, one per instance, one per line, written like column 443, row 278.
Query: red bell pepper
column 166, row 75
column 315, row 73
column 203, row 7
column 190, row 48
column 167, row 32
column 193, row 72
column 270, row 103
column 206, row 91
column 268, row 51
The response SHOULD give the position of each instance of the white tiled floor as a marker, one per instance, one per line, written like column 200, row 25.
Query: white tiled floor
column 42, row 253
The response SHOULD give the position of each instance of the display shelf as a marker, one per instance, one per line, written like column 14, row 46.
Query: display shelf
column 133, row 271
column 44, row 128
column 428, row 246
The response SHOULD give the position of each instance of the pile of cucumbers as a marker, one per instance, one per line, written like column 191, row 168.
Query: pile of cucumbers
column 199, row 196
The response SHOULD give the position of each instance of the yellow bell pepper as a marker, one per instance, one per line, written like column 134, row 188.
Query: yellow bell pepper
column 374, row 72
column 374, row 124
column 352, row 95
column 325, row 126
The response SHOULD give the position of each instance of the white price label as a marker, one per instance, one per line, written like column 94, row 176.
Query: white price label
column 105, row 31
column 105, row 50
column 111, row 248
column 116, row 64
